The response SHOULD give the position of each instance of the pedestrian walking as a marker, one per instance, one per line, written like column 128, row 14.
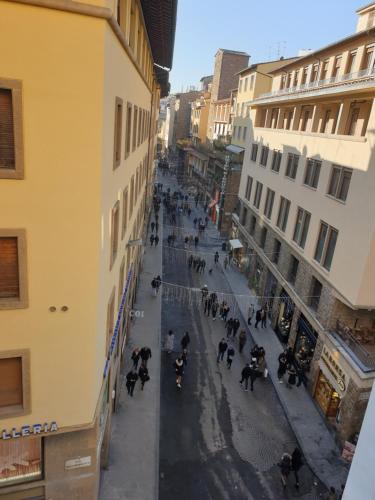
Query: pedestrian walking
column 229, row 327
column 152, row 226
column 263, row 317
column 145, row 354
column 214, row 309
column 254, row 374
column 203, row 265
column 250, row 314
column 156, row 227
column 297, row 463
column 156, row 240
column 152, row 239
column 190, row 261
column 216, row 258
column 154, row 287
column 158, row 283
column 236, row 324
column 282, row 367
column 245, row 375
column 143, row 375
column 185, row 341
column 222, row 347
column 230, row 355
column 226, row 262
column 179, row 369
column 131, row 379
column 258, row 317
column 285, row 465
column 195, row 221
column 196, row 241
column 225, row 312
column 135, row 357
column 184, row 356
column 169, row 343
column 242, row 338
column 209, row 305
column 289, row 356
column 291, row 376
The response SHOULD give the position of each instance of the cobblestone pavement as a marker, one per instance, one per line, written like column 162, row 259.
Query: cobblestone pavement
column 217, row 441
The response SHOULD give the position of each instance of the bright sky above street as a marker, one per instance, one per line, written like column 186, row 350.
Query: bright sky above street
column 264, row 29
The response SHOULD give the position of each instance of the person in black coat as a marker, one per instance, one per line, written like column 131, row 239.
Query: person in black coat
column 282, row 367
column 230, row 355
column 131, row 379
column 143, row 375
column 222, row 347
column 297, row 463
column 185, row 341
column 258, row 317
column 245, row 375
column 236, row 325
column 145, row 354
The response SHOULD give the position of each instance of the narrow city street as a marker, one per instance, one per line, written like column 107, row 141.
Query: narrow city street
column 216, row 440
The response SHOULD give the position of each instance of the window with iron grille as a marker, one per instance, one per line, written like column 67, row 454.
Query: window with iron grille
column 249, row 185
column 264, row 156
column 312, row 172
column 282, row 218
column 254, row 152
column 326, row 244
column 292, row 165
column 11, row 142
column 276, row 161
column 268, row 206
column 302, row 227
column 258, row 194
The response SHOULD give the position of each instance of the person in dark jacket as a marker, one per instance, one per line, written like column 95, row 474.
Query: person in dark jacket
column 185, row 341
column 292, row 374
column 289, row 356
column 254, row 374
column 143, row 375
column 145, row 354
column 156, row 240
column 229, row 327
column 297, row 463
column 236, row 325
column 285, row 465
column 131, row 379
column 230, row 355
column 152, row 226
column 179, row 369
column 214, row 309
column 135, row 358
column 263, row 316
column 258, row 317
column 282, row 367
column 242, row 340
column 222, row 347
column 152, row 239
column 245, row 375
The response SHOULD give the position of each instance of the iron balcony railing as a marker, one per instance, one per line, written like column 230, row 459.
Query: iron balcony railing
column 357, row 75
column 346, row 334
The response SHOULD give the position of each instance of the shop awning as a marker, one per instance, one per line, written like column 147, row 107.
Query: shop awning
column 234, row 149
column 235, row 244
column 212, row 203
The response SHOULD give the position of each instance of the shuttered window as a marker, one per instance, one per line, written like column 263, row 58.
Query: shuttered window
column 9, row 270
column 115, row 221
column 11, row 393
column 7, row 148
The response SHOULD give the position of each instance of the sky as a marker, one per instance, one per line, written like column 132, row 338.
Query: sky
column 265, row 29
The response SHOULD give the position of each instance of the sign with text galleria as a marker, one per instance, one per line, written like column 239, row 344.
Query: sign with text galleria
column 29, row 430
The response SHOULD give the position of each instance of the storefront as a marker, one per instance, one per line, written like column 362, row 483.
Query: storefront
column 270, row 292
column 284, row 317
column 20, row 460
column 331, row 384
column 304, row 345
column 236, row 249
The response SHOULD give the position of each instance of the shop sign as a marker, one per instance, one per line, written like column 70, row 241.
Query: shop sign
column 78, row 463
column 29, row 430
column 334, row 368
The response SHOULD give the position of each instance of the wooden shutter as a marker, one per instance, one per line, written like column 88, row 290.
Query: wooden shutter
column 9, row 275
column 7, row 153
column 11, row 382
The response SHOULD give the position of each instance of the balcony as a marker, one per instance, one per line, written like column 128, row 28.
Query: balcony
column 359, row 342
column 342, row 83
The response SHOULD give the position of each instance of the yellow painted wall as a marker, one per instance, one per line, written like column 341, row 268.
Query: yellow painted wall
column 58, row 57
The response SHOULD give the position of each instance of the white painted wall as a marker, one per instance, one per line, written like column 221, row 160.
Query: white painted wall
column 361, row 480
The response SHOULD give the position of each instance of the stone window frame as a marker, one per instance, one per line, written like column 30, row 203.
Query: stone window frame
column 24, row 354
column 114, row 238
column 15, row 86
column 22, row 301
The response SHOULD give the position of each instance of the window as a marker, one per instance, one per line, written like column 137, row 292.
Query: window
column 131, row 196
column 244, row 134
column 249, row 185
column 254, row 152
column 350, row 63
column 288, row 117
column 21, row 461
column 258, row 194
column 124, row 211
column 251, row 82
column 11, row 142
column 336, row 66
column 274, row 117
column 293, row 269
column 326, row 244
column 13, row 289
column 121, row 280
column 314, row 73
column 305, row 118
column 14, row 383
column 302, row 227
column 339, row 182
column 263, row 237
column 132, row 25
column 264, row 156
column 276, row 251
column 253, row 224
column 324, row 72
column 352, row 121
column 305, row 72
column 135, row 121
column 316, row 292
column 239, row 132
column 110, row 320
column 268, row 206
column 312, row 173
column 114, row 232
column 245, row 86
column 140, row 121
column 292, row 165
column 282, row 217
column 276, row 161
column 234, row 131
column 244, row 216
column 118, row 133
column 325, row 121
column 240, row 86
column 295, row 78
column 128, row 129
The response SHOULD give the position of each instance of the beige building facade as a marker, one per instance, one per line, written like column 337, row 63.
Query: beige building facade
column 77, row 143
column 306, row 196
